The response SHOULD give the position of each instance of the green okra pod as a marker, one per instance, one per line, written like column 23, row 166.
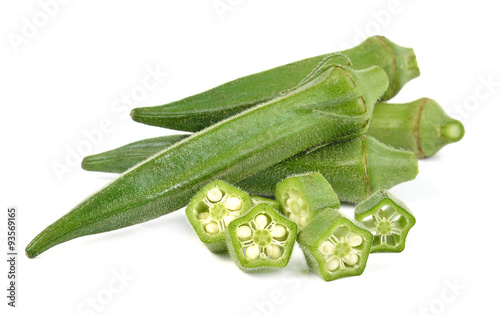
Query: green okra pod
column 261, row 239
column 257, row 200
column 302, row 196
column 355, row 168
column 335, row 246
column 204, row 109
column 388, row 219
column 420, row 126
column 335, row 103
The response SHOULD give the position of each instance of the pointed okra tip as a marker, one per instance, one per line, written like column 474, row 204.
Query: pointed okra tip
column 261, row 239
column 388, row 219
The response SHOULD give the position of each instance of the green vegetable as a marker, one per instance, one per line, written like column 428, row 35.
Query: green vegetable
column 202, row 110
column 257, row 200
column 212, row 209
column 388, row 219
column 121, row 159
column 261, row 239
column 420, row 126
column 354, row 168
column 334, row 246
column 302, row 196
column 334, row 103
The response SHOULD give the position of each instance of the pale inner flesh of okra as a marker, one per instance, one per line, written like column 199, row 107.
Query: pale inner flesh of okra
column 296, row 208
column 217, row 210
column 387, row 226
column 262, row 238
column 340, row 250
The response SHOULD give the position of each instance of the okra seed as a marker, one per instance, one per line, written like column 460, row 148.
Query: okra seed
column 355, row 240
column 252, row 252
column 261, row 221
column 278, row 231
column 203, row 215
column 302, row 221
column 273, row 251
column 333, row 264
column 233, row 204
column 212, row 228
column 214, row 194
column 326, row 248
column 351, row 259
column 244, row 232
column 292, row 217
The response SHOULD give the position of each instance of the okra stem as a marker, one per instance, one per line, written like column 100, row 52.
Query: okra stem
column 420, row 126
column 315, row 113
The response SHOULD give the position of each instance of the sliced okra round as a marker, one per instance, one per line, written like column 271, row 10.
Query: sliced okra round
column 212, row 209
column 388, row 219
column 261, row 239
column 334, row 246
column 302, row 196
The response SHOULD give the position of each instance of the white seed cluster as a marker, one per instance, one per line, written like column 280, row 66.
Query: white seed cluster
column 341, row 251
column 262, row 225
column 296, row 208
column 386, row 224
column 229, row 205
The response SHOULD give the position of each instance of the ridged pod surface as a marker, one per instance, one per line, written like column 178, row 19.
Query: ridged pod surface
column 204, row 109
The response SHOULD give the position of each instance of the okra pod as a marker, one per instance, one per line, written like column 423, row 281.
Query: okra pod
column 420, row 126
column 261, row 239
column 388, row 219
column 335, row 103
column 335, row 246
column 204, row 109
column 302, row 196
column 355, row 168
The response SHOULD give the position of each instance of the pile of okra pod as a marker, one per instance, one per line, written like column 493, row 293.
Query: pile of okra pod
column 319, row 128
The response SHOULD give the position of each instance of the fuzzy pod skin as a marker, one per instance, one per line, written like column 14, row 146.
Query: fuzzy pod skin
column 334, row 246
column 335, row 103
column 261, row 239
column 354, row 168
column 420, row 126
column 302, row 196
column 212, row 209
column 204, row 109
column 121, row 159
column 257, row 200
column 389, row 220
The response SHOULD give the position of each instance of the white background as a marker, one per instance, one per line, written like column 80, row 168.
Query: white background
column 70, row 74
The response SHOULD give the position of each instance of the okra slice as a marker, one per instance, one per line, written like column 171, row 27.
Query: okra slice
column 334, row 246
column 261, row 239
column 257, row 200
column 388, row 219
column 212, row 209
column 302, row 196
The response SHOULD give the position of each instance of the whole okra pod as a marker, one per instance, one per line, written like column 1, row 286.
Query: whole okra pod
column 204, row 109
column 335, row 103
column 420, row 126
column 355, row 168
